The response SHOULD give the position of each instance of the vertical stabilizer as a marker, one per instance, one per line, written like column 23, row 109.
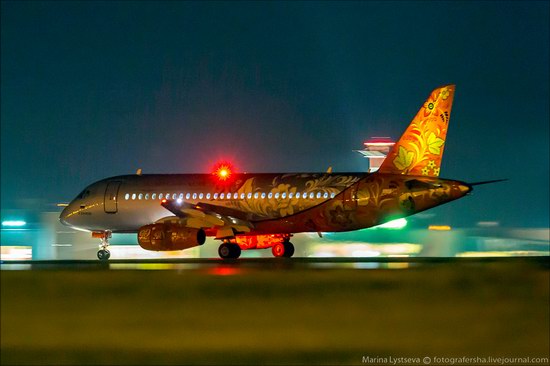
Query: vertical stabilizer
column 420, row 148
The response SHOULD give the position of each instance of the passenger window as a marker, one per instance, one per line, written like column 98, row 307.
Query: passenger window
column 187, row 196
column 332, row 195
column 127, row 196
column 297, row 194
column 181, row 196
column 133, row 196
column 235, row 196
column 290, row 195
column 208, row 196
column 160, row 196
column 283, row 196
column 263, row 195
column 277, row 195
column 242, row 196
column 140, row 196
column 325, row 195
column 318, row 194
column 311, row 195
column 201, row 196
column 222, row 195
column 256, row 195
column 194, row 196
column 216, row 195
column 154, row 196
column 146, row 196
column 249, row 195
column 270, row 195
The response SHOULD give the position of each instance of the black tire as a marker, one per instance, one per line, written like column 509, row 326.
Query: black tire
column 229, row 251
column 224, row 251
column 235, row 251
column 103, row 255
column 289, row 249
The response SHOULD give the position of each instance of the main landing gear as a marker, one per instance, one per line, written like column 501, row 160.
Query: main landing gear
column 103, row 253
column 229, row 250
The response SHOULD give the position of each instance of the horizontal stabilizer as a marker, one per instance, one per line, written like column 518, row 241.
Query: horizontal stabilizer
column 487, row 182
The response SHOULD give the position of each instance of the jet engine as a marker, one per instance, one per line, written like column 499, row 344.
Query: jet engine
column 169, row 236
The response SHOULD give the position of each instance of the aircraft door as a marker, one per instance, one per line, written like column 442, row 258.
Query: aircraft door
column 111, row 194
column 349, row 198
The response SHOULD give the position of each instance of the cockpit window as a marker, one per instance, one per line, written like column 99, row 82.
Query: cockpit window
column 85, row 193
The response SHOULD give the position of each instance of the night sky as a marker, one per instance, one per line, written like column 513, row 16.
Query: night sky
column 95, row 89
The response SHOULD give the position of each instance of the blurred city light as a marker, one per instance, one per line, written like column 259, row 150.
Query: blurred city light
column 14, row 223
column 439, row 227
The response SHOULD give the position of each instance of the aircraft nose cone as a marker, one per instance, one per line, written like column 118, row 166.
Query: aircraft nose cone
column 63, row 216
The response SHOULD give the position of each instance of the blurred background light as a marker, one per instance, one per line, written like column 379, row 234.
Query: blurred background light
column 14, row 223
column 394, row 224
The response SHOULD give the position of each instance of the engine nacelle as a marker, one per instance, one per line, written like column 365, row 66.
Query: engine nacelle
column 169, row 236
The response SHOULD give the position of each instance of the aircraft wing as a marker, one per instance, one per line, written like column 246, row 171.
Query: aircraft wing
column 226, row 221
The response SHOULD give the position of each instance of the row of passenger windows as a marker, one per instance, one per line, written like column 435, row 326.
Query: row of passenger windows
column 228, row 196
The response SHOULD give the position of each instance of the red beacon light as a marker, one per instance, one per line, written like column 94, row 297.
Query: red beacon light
column 223, row 171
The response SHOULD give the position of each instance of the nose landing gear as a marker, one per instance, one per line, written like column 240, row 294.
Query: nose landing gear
column 103, row 254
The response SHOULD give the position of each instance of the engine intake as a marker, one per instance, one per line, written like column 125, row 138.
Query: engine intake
column 169, row 236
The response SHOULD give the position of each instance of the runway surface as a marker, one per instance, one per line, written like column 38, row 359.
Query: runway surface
column 274, row 311
column 269, row 263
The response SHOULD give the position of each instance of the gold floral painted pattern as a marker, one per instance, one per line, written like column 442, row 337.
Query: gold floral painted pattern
column 374, row 199
column 281, row 194
column 419, row 150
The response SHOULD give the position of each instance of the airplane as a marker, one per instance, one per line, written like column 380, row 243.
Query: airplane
column 258, row 211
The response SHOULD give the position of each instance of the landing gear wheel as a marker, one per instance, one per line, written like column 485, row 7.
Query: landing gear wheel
column 289, row 249
column 285, row 249
column 278, row 250
column 103, row 255
column 229, row 251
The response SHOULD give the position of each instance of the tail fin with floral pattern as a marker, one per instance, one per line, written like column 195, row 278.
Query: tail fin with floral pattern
column 420, row 148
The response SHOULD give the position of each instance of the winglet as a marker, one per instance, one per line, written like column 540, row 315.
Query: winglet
column 420, row 148
column 329, row 170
